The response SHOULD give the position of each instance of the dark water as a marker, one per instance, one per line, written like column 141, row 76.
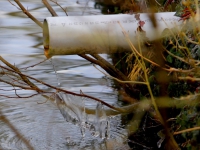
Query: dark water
column 42, row 125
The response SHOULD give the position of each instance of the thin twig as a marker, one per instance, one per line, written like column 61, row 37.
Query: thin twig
column 9, row 90
column 179, row 58
column 117, row 74
column 189, row 40
column 34, row 64
column 65, row 10
column 17, row 85
column 157, row 2
column 24, row 78
column 28, row 14
column 13, row 4
column 133, row 82
column 48, row 6
column 22, row 96
column 152, row 62
column 187, row 130
column 62, row 90
column 49, row 97
column 189, row 78
column 145, row 147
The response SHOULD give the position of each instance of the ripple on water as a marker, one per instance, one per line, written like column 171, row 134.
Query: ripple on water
column 42, row 125
column 45, row 128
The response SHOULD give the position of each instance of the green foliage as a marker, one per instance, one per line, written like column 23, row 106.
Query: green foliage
column 177, row 89
column 189, row 118
column 179, row 10
column 169, row 59
column 184, row 46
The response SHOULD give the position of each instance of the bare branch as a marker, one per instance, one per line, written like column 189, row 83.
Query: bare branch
column 21, row 96
column 121, row 81
column 16, row 85
column 65, row 10
column 187, row 130
column 59, row 89
column 13, row 4
column 34, row 64
column 24, row 78
column 48, row 6
column 9, row 90
column 28, row 14
column 189, row 78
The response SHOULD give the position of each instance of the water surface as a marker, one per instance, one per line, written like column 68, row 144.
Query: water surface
column 42, row 124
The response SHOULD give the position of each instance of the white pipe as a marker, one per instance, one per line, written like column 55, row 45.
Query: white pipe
column 100, row 33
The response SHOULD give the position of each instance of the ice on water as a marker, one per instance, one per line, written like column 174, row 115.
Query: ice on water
column 102, row 122
column 73, row 110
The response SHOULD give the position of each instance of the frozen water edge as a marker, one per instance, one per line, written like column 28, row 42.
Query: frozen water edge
column 73, row 110
column 107, row 130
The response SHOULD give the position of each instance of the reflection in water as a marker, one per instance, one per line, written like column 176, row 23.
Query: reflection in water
column 42, row 124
